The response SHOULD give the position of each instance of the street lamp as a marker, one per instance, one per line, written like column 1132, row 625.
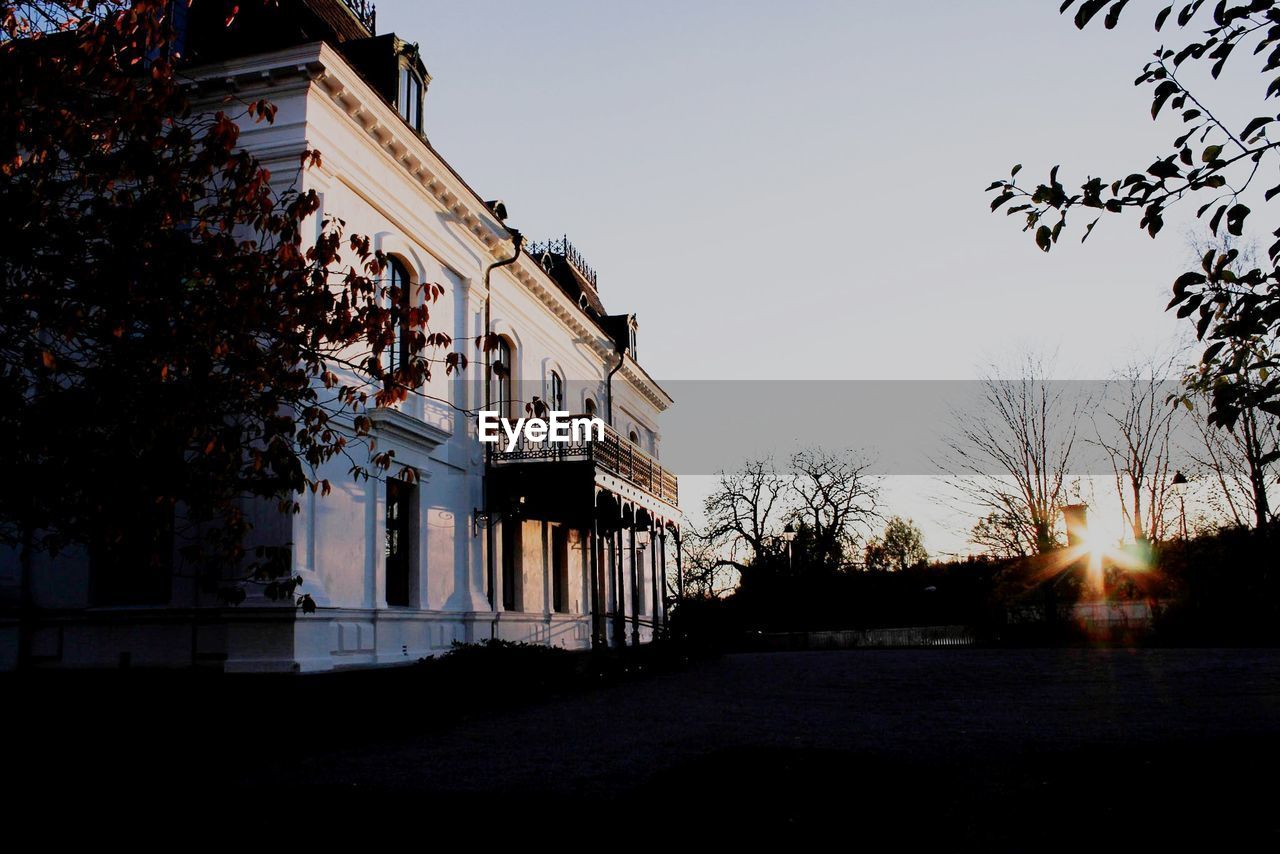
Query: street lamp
column 1179, row 487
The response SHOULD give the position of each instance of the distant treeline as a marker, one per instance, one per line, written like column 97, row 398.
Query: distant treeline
column 1216, row 588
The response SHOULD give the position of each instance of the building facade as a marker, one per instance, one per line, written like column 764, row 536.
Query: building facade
column 565, row 545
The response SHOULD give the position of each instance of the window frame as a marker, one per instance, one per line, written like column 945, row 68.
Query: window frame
column 400, row 525
column 399, row 275
column 410, row 89
column 555, row 392
column 504, row 386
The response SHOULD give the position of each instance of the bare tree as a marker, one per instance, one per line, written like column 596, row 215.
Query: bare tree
column 1010, row 454
column 743, row 519
column 1134, row 425
column 743, row 513
column 831, row 497
column 1238, row 465
column 1239, row 460
column 836, row 497
column 706, row 574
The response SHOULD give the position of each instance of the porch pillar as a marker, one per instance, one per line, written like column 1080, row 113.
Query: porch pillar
column 679, row 569
column 635, row 585
column 619, row 604
column 595, row 579
column 653, row 582
column 666, row 592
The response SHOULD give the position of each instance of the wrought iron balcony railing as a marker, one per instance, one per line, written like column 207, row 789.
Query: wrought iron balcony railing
column 365, row 12
column 614, row 454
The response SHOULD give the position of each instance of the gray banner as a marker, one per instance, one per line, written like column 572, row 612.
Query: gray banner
column 920, row 427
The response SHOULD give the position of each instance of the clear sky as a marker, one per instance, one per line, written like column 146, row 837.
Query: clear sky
column 796, row 189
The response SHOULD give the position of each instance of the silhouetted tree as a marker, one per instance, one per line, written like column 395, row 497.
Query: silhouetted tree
column 829, row 499
column 172, row 348
column 1237, row 466
column 743, row 516
column 1133, row 425
column 899, row 547
column 836, row 496
column 1210, row 160
column 999, row 535
column 707, row 575
column 1009, row 454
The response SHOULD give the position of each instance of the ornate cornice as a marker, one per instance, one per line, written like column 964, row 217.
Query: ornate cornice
column 321, row 66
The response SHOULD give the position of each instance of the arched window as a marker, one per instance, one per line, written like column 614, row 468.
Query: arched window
column 503, row 374
column 634, row 437
column 400, row 289
column 555, row 392
column 591, row 408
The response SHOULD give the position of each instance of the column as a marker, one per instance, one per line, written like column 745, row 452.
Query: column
column 619, row 615
column 635, row 585
column 596, row 581
column 653, row 581
column 666, row 592
column 679, row 568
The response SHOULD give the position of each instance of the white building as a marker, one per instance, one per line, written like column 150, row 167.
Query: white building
column 566, row 548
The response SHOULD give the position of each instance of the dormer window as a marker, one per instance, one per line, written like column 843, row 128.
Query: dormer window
column 409, row 99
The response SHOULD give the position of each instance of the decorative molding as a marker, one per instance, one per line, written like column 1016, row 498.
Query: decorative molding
column 407, row 431
column 327, row 70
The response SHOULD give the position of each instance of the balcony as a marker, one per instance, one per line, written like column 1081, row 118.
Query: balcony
column 613, row 454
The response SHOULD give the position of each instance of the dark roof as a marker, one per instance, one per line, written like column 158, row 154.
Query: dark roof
column 570, row 280
column 580, row 288
column 258, row 27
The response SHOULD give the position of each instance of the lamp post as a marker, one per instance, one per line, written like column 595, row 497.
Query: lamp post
column 1076, row 517
column 789, row 534
column 1179, row 487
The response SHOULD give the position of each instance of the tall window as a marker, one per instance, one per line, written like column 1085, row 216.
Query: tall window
column 560, row 569
column 503, row 373
column 555, row 392
column 400, row 529
column 634, row 437
column 591, row 408
column 512, row 595
column 401, row 290
column 410, row 97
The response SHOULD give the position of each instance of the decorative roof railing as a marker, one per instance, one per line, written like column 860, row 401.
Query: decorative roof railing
column 364, row 10
column 569, row 252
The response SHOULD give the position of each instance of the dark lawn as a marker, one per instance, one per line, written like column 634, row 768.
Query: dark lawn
column 970, row 748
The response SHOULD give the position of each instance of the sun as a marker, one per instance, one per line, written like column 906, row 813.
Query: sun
column 1092, row 548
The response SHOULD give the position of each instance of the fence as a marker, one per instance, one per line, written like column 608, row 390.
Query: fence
column 913, row 636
